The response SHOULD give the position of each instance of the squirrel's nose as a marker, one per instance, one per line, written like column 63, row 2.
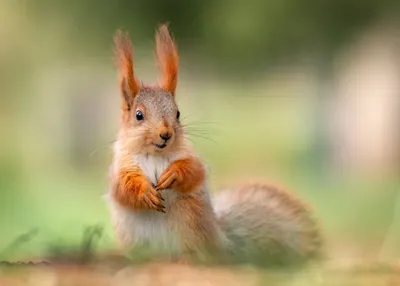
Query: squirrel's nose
column 165, row 136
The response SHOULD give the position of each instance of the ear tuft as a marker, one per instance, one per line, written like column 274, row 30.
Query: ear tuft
column 168, row 59
column 123, row 56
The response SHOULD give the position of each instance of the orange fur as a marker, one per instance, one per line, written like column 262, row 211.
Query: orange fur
column 184, row 175
column 168, row 59
column 198, row 229
column 128, row 84
column 134, row 190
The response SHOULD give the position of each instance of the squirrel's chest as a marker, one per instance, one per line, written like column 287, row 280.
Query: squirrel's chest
column 148, row 226
column 152, row 166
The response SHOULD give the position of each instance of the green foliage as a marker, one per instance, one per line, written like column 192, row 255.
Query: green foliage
column 238, row 36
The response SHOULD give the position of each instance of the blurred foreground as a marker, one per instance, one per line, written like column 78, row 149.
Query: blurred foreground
column 174, row 274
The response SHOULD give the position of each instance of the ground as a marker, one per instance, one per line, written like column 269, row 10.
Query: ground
column 118, row 272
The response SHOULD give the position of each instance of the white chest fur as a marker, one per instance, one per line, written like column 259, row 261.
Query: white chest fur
column 152, row 166
column 148, row 226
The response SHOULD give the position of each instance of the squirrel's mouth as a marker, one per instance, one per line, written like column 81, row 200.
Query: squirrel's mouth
column 160, row 146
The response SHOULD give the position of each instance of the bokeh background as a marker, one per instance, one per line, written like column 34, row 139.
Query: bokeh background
column 306, row 93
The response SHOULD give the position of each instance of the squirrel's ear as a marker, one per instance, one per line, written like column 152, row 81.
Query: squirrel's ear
column 123, row 54
column 168, row 59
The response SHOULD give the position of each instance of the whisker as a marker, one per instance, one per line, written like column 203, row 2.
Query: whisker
column 199, row 127
column 196, row 126
column 190, row 139
column 204, row 131
column 202, row 137
column 185, row 117
column 197, row 122
column 200, row 134
column 93, row 152
column 96, row 150
column 200, row 131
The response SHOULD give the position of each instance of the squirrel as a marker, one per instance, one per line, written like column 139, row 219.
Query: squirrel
column 158, row 186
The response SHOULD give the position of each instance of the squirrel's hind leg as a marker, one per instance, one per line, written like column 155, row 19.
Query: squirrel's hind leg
column 199, row 234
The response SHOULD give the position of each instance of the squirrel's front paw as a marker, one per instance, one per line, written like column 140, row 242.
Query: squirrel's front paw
column 168, row 178
column 134, row 190
column 149, row 198
column 183, row 175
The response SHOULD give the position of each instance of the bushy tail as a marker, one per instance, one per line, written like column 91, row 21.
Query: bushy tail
column 267, row 226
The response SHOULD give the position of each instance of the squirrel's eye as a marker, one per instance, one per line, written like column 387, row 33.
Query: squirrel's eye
column 139, row 115
column 178, row 114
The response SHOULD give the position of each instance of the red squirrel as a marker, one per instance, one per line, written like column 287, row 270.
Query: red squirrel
column 158, row 189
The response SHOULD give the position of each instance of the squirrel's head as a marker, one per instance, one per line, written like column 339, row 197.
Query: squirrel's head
column 150, row 115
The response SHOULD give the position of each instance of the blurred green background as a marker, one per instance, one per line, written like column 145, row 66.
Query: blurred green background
column 301, row 92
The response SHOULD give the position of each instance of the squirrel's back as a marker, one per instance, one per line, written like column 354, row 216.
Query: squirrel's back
column 267, row 225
